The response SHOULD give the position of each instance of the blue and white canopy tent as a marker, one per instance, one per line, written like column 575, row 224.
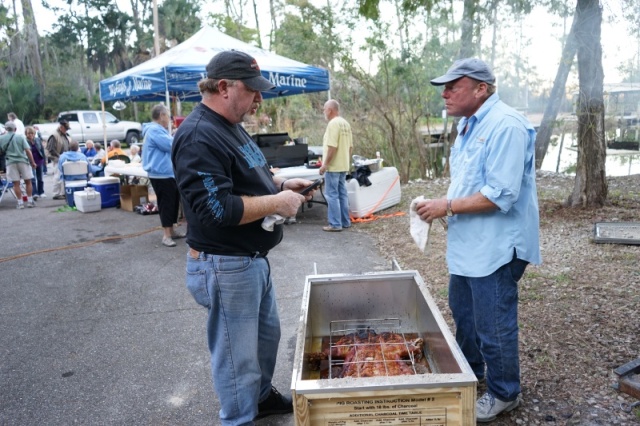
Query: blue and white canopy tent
column 176, row 72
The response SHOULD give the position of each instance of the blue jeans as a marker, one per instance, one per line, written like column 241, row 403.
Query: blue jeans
column 485, row 311
column 36, row 182
column 335, row 192
column 243, row 329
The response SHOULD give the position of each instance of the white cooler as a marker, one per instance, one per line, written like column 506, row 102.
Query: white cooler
column 383, row 193
column 88, row 200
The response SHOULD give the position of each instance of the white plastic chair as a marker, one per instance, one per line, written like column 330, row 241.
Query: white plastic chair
column 76, row 171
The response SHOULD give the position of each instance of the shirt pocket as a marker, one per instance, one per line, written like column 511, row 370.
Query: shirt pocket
column 469, row 164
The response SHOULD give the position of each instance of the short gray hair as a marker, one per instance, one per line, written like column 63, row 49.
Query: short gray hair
column 158, row 110
column 210, row 85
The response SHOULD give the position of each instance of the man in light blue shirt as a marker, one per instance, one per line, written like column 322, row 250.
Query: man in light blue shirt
column 492, row 210
column 73, row 155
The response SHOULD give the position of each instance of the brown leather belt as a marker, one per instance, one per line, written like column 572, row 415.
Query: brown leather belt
column 195, row 254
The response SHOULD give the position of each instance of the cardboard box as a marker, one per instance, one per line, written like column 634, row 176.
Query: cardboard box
column 133, row 195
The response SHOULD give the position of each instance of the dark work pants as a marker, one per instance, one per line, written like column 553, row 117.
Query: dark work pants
column 36, row 182
column 168, row 200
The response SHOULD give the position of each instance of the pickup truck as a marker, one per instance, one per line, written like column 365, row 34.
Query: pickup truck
column 85, row 125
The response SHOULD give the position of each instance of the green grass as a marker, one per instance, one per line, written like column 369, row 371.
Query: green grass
column 561, row 279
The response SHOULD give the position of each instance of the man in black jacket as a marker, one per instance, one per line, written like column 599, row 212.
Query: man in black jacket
column 227, row 191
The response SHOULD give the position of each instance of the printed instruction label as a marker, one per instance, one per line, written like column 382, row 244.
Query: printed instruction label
column 405, row 411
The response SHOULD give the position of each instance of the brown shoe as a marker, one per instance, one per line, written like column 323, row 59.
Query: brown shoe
column 331, row 229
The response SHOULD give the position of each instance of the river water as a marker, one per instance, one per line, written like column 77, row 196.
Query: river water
column 619, row 162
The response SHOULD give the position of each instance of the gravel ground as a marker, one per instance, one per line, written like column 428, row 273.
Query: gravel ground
column 579, row 316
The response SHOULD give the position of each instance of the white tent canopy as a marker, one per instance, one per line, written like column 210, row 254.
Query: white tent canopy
column 177, row 71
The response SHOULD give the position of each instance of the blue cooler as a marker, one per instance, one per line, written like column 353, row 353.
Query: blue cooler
column 70, row 187
column 109, row 189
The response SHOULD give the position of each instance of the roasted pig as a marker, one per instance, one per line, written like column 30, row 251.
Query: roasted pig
column 368, row 354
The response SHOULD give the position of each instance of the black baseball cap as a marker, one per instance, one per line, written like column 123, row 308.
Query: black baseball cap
column 468, row 67
column 236, row 65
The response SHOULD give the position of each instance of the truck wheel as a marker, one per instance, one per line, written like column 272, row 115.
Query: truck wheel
column 132, row 137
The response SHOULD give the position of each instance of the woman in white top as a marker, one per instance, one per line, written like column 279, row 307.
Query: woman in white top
column 135, row 154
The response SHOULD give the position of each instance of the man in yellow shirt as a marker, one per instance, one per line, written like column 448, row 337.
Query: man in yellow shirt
column 337, row 146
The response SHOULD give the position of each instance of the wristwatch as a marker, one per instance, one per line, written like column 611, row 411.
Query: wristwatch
column 449, row 211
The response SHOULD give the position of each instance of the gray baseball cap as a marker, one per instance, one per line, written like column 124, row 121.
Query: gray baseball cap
column 468, row 67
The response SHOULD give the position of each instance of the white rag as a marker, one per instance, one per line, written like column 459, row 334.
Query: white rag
column 419, row 229
column 269, row 222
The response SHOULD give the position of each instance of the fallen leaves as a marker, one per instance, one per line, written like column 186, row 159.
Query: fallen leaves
column 578, row 311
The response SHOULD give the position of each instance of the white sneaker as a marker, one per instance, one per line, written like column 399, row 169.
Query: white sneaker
column 488, row 407
column 167, row 241
column 43, row 195
column 20, row 206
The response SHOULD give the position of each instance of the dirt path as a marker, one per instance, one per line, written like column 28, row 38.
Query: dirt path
column 579, row 316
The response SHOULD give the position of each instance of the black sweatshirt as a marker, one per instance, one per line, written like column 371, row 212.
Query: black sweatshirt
column 215, row 162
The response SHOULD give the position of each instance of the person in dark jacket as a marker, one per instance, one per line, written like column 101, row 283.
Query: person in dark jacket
column 40, row 158
column 58, row 143
column 229, row 195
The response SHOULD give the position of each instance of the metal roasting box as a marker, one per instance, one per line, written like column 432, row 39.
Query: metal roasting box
column 342, row 323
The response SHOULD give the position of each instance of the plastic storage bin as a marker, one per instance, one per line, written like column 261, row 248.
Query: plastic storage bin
column 384, row 192
column 88, row 200
column 71, row 187
column 109, row 189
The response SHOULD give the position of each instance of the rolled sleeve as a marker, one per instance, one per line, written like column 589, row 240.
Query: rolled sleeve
column 505, row 167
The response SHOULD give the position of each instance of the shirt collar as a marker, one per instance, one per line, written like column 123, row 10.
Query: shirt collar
column 480, row 113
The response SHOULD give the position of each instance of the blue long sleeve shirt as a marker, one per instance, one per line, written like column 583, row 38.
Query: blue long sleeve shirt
column 73, row 156
column 156, row 151
column 496, row 157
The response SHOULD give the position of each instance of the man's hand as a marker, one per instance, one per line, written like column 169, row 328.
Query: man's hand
column 297, row 185
column 428, row 210
column 289, row 202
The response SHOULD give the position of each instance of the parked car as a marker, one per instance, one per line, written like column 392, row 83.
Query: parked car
column 85, row 125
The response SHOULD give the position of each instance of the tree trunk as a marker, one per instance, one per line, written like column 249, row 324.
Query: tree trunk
column 590, row 188
column 33, row 50
column 274, row 24
column 557, row 93
column 255, row 14
column 494, row 35
column 468, row 16
column 138, row 17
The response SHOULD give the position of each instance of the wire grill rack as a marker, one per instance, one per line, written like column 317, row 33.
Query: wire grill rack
column 372, row 347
